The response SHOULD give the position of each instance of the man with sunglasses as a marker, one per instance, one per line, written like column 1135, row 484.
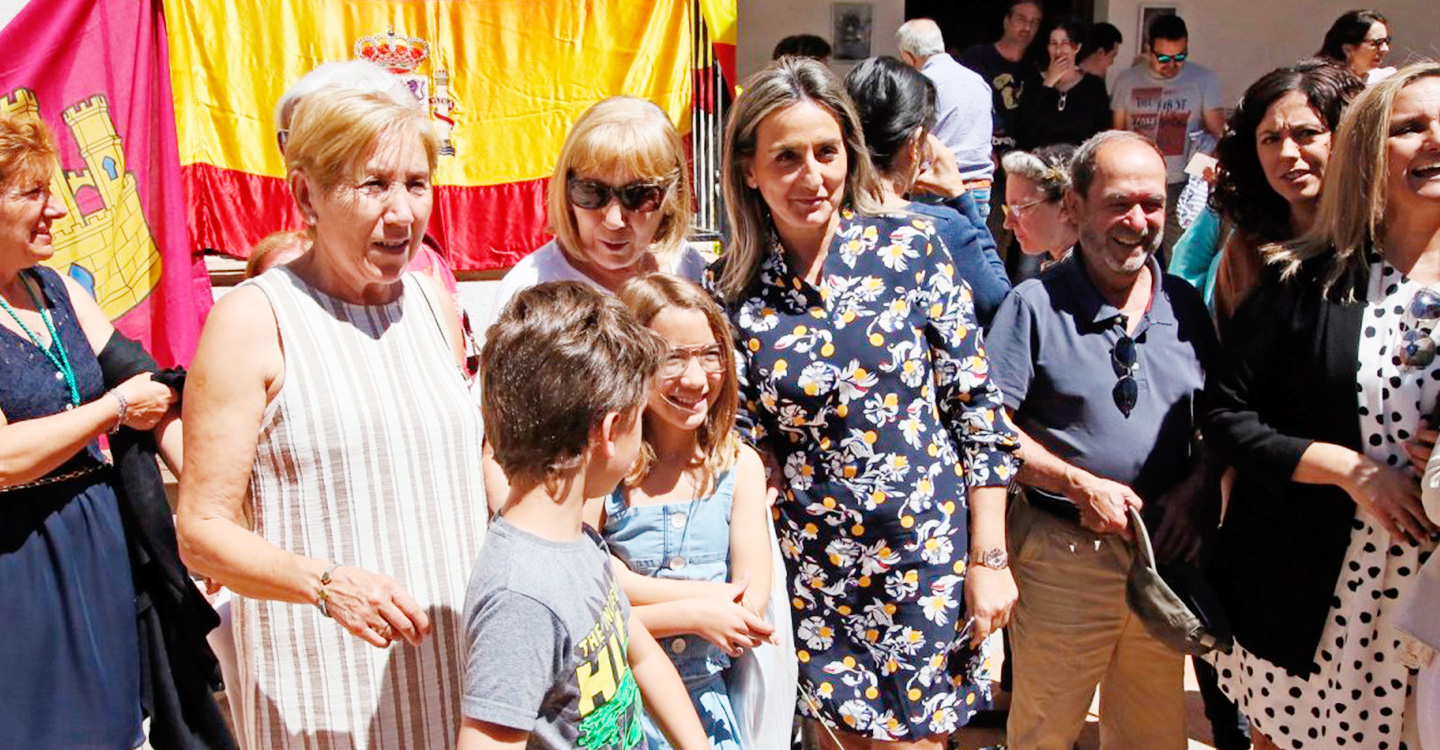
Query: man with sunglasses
column 1170, row 101
column 1102, row 360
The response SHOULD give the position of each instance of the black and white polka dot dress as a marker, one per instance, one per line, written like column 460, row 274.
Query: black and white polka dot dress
column 1359, row 696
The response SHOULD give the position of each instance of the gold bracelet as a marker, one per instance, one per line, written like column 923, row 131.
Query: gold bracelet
column 322, row 599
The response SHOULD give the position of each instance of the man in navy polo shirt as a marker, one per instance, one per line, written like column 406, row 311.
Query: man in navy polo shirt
column 1101, row 360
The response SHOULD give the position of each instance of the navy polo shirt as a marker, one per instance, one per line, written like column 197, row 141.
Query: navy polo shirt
column 1050, row 351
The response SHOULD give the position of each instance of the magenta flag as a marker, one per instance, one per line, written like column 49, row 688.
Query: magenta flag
column 98, row 72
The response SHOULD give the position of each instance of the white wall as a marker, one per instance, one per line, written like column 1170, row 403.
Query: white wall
column 762, row 23
column 1242, row 39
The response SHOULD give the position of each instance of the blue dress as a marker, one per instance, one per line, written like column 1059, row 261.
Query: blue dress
column 873, row 391
column 69, row 650
column 683, row 541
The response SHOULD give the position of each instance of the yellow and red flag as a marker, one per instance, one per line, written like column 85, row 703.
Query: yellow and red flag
column 504, row 80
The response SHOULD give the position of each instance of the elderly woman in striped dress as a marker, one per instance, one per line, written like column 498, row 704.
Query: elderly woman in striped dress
column 334, row 476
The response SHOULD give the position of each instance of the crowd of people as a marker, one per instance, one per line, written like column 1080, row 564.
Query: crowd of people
column 800, row 493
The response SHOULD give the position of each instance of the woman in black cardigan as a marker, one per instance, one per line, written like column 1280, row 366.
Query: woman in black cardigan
column 1324, row 529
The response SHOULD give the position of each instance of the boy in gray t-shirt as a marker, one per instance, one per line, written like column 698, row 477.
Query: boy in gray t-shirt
column 554, row 660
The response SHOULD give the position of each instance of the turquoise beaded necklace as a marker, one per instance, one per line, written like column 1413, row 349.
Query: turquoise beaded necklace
column 56, row 352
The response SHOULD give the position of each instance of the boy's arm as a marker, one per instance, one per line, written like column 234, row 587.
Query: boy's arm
column 666, row 700
column 482, row 735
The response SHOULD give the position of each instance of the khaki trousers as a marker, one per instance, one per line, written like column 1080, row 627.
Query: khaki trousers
column 1071, row 631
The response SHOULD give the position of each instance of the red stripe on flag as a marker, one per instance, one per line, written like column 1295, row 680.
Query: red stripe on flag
column 480, row 228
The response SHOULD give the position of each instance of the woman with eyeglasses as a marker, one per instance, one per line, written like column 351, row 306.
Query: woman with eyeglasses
column 1267, row 188
column 1359, row 40
column 1331, row 367
column 619, row 205
column 862, row 374
column 897, row 109
column 1035, row 184
column 1070, row 105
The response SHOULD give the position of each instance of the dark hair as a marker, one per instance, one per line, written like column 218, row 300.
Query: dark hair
column 1010, row 6
column 559, row 358
column 1242, row 192
column 1076, row 29
column 1349, row 28
column 893, row 99
column 1169, row 27
column 801, row 45
column 1103, row 38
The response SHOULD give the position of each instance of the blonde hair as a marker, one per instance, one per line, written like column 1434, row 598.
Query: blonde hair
column 634, row 135
column 646, row 297
column 263, row 255
column 27, row 150
column 784, row 83
column 1351, row 214
column 334, row 131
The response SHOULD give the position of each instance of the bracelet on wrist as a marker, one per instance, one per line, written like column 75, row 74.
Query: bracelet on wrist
column 122, row 408
column 322, row 598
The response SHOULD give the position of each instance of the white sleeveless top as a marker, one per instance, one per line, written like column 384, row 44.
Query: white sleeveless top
column 368, row 456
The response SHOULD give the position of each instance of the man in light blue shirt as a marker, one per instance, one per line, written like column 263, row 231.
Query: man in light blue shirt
column 963, row 117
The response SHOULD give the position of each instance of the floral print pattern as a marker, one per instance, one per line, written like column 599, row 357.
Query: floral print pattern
column 872, row 391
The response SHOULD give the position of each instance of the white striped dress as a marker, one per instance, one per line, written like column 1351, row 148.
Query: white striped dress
column 369, row 456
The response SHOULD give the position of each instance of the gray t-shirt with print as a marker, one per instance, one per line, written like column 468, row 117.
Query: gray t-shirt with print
column 1168, row 110
column 547, row 637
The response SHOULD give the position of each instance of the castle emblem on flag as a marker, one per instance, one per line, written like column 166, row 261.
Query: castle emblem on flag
column 403, row 55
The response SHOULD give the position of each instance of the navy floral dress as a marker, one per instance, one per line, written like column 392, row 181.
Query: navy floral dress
column 873, row 392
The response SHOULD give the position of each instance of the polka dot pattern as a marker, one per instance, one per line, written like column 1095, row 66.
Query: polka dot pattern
column 1357, row 696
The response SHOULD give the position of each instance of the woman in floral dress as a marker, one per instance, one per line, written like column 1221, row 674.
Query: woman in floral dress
column 864, row 377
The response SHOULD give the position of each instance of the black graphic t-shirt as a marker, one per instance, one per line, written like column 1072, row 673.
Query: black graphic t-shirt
column 1009, row 80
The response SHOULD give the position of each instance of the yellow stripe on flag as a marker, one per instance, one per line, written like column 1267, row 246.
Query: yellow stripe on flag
column 520, row 71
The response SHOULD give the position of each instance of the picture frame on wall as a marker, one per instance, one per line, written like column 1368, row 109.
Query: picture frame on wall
column 1148, row 12
column 853, row 24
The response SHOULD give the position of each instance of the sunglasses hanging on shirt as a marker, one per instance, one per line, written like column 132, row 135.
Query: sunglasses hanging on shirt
column 1417, row 345
column 1125, row 359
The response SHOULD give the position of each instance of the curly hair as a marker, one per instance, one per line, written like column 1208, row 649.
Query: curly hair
column 1242, row 192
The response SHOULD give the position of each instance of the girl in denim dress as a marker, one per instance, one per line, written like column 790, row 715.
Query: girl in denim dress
column 689, row 523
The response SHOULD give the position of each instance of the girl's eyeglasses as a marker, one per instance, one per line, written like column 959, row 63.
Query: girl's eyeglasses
column 712, row 360
column 1383, row 41
column 635, row 196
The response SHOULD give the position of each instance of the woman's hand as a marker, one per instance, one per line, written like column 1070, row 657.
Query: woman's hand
column 146, row 401
column 726, row 623
column 374, row 607
column 1391, row 497
column 1058, row 70
column 1419, row 447
column 990, row 595
column 942, row 177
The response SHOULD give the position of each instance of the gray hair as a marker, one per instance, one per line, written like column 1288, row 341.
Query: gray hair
column 359, row 75
column 1082, row 165
column 920, row 37
column 1047, row 167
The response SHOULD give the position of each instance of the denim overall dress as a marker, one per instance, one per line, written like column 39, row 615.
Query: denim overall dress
column 688, row 540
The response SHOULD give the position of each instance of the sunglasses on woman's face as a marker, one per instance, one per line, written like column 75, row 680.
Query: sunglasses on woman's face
column 634, row 196
column 1167, row 59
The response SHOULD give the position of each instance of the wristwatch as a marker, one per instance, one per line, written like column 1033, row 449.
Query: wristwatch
column 993, row 558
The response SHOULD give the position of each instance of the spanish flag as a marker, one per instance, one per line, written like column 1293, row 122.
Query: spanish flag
column 503, row 79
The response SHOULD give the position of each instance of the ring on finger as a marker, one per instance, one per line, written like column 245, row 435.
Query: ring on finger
column 385, row 631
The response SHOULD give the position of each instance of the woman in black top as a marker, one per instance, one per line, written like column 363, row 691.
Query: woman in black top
column 1329, row 369
column 1070, row 105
